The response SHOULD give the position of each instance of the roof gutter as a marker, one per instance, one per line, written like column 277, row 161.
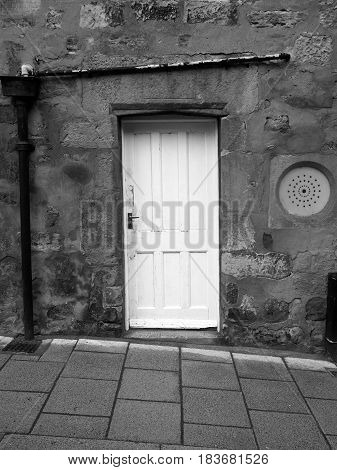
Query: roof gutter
column 199, row 64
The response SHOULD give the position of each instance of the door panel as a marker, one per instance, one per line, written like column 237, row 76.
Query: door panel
column 172, row 256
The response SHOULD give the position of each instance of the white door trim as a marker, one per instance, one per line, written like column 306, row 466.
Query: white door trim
column 174, row 324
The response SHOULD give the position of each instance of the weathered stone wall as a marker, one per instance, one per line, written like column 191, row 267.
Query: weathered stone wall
column 273, row 275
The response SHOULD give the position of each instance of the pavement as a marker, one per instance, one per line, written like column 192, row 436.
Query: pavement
column 119, row 394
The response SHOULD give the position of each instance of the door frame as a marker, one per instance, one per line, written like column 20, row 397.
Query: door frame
column 163, row 117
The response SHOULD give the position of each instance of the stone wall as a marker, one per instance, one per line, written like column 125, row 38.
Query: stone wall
column 273, row 275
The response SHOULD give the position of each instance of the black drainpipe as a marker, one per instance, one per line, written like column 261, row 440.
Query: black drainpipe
column 23, row 91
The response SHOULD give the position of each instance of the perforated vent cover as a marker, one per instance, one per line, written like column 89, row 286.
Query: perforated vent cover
column 304, row 191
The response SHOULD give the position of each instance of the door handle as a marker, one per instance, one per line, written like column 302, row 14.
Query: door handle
column 130, row 220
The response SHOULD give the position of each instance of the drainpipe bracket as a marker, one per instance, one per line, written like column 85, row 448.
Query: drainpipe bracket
column 24, row 146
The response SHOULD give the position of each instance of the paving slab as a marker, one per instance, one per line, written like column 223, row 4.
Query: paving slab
column 219, row 407
column 82, row 397
column 59, row 350
column 218, row 437
column 325, row 411
column 260, row 367
column 287, row 431
column 71, row 426
column 273, row 395
column 332, row 441
column 206, row 355
column 145, row 356
column 209, row 375
column 178, row 447
column 308, row 364
column 146, row 421
column 97, row 345
column 24, row 357
column 152, row 385
column 316, row 384
column 29, row 376
column 3, row 359
column 24, row 442
column 89, row 365
column 18, row 410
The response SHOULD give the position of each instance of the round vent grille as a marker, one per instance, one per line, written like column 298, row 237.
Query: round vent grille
column 304, row 191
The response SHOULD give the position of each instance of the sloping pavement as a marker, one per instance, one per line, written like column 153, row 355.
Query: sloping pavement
column 96, row 394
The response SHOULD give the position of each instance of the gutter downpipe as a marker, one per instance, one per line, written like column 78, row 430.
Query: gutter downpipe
column 23, row 90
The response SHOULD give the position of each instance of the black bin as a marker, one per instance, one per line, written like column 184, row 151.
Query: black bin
column 331, row 311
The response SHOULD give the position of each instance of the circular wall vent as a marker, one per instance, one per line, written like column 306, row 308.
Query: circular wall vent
column 304, row 191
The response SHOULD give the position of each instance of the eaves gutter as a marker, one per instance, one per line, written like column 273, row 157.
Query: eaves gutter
column 174, row 66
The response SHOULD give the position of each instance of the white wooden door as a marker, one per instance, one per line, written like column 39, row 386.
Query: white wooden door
column 170, row 170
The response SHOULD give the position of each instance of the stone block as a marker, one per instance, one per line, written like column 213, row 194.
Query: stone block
column 71, row 426
column 315, row 309
column 275, row 310
column 139, row 384
column 232, row 292
column 328, row 13
column 218, row 437
column 222, row 12
column 101, row 14
column 269, row 19
column 82, row 397
column 146, row 422
column 159, row 10
column 219, row 407
column 209, row 375
column 286, row 431
column 145, row 356
column 54, row 18
column 313, row 49
column 277, row 123
column 250, row 264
